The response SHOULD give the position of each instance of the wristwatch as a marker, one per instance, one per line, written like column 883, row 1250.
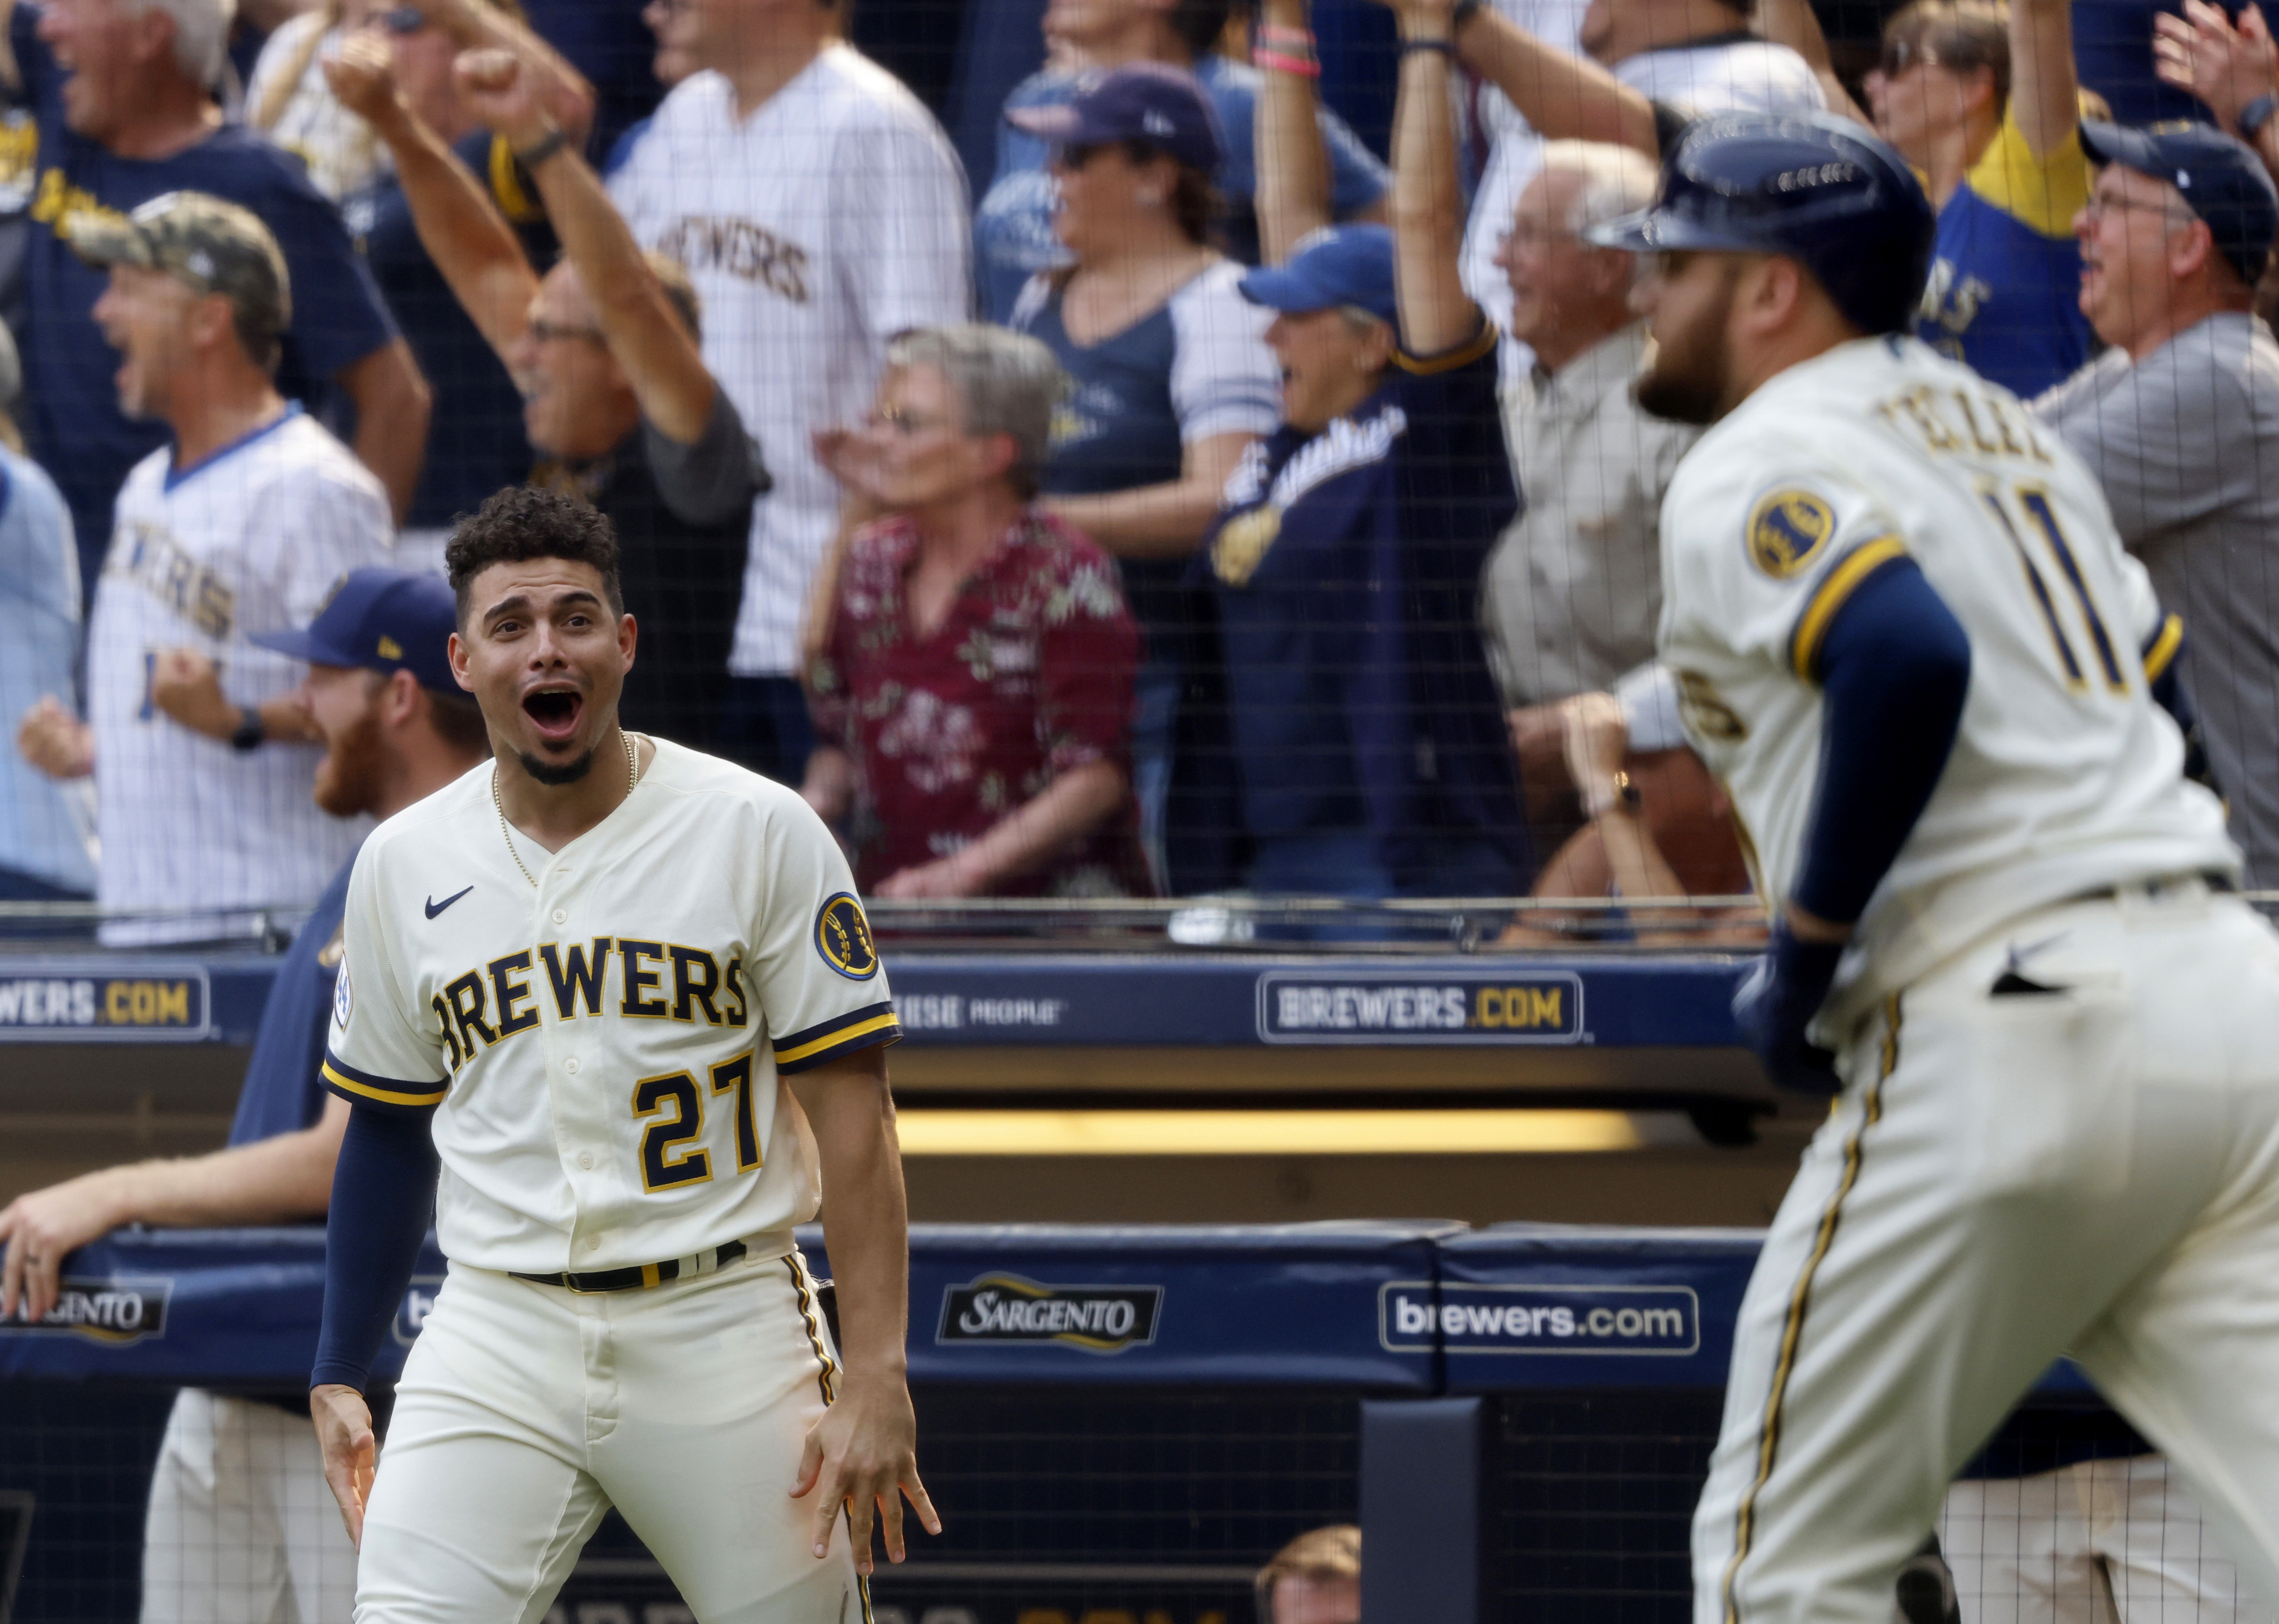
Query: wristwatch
column 1625, row 795
column 249, row 733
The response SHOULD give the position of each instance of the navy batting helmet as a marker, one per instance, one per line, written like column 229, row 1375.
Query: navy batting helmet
column 1812, row 187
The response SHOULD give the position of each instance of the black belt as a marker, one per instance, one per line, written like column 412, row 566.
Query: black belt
column 2214, row 880
column 634, row 1276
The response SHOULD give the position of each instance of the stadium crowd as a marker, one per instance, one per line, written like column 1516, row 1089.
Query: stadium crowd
column 1290, row 528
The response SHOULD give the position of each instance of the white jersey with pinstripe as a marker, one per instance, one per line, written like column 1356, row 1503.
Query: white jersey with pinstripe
column 252, row 539
column 2065, row 776
column 604, row 1050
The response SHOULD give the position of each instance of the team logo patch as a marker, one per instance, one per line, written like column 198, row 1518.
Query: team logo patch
column 343, row 1000
column 1242, row 543
column 842, row 936
column 1787, row 528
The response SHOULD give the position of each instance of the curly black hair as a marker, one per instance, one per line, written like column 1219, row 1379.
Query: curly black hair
column 523, row 521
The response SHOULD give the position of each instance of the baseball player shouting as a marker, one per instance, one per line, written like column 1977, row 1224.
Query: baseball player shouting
column 1907, row 637
column 626, row 993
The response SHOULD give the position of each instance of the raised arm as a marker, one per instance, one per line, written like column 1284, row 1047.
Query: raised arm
column 1294, row 194
column 1562, row 96
column 1793, row 24
column 2045, row 90
column 1428, row 207
column 561, row 90
column 2228, row 67
column 644, row 333
column 460, row 227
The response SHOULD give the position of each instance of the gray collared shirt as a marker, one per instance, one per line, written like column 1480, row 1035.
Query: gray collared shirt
column 1573, row 590
column 2186, row 445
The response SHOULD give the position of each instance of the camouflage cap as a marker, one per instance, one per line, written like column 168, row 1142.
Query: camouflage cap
column 214, row 246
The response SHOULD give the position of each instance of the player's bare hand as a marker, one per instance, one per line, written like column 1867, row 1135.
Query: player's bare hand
column 362, row 74
column 186, row 686
column 500, row 93
column 56, row 741
column 863, row 1454
column 351, row 1450
column 43, row 1227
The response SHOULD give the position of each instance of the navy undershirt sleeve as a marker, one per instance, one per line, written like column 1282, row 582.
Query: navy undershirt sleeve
column 383, row 1196
column 1894, row 670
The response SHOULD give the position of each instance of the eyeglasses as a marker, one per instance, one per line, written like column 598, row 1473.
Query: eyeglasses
column 1899, row 56
column 1529, row 235
column 907, row 424
column 548, row 333
column 403, row 20
column 1076, row 154
column 2102, row 204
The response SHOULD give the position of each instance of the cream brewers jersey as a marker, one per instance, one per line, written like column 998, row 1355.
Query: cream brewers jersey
column 251, row 539
column 604, row 1051
column 2065, row 776
column 831, row 219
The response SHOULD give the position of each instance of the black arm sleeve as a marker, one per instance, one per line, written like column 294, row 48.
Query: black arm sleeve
column 1894, row 671
column 715, row 478
column 383, row 1196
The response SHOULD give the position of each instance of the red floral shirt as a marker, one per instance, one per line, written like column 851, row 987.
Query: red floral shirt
column 1028, row 677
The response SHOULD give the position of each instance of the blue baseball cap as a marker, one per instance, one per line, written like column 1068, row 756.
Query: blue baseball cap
column 383, row 620
column 2222, row 179
column 1337, row 265
column 1152, row 102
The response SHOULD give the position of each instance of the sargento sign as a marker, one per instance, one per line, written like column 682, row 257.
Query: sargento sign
column 1001, row 1308
column 115, row 1004
column 118, row 1310
column 1403, row 1007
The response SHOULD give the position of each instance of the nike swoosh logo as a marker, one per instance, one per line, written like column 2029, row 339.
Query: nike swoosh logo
column 435, row 907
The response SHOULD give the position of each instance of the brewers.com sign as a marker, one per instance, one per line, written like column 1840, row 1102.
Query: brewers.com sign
column 116, row 1003
column 1403, row 1006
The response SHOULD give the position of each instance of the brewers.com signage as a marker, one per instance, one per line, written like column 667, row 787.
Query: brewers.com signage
column 112, row 1003
column 119, row 1309
column 1406, row 1006
column 1003, row 1308
column 1414, row 1316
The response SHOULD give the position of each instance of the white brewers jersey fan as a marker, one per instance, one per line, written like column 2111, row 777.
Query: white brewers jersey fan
column 831, row 219
column 252, row 539
column 2065, row 776
column 604, row 1050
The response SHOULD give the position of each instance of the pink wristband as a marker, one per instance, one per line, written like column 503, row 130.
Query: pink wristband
column 1299, row 66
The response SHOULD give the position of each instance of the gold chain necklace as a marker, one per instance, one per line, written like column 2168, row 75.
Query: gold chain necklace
column 632, row 777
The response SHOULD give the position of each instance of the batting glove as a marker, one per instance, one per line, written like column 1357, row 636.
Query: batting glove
column 1776, row 1001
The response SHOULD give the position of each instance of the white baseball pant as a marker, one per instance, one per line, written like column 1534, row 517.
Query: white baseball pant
column 241, row 1527
column 2007, row 1178
column 2096, row 1542
column 527, row 1411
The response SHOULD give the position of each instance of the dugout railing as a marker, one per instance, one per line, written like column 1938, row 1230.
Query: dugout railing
column 1119, row 1424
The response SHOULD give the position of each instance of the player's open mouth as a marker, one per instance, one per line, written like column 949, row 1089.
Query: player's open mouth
column 556, row 712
